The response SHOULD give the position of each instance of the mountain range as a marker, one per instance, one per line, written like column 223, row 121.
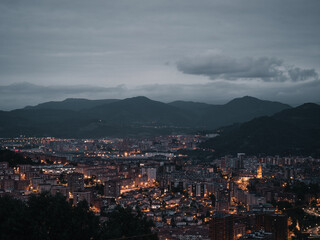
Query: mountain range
column 294, row 131
column 138, row 116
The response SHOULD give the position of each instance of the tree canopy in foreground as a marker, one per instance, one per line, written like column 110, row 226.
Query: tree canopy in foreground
column 51, row 217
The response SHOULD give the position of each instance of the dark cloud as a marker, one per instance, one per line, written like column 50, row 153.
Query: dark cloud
column 222, row 67
column 74, row 41
column 297, row 74
column 109, row 43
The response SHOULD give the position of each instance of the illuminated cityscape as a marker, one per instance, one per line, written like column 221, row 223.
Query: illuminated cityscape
column 182, row 195
column 160, row 120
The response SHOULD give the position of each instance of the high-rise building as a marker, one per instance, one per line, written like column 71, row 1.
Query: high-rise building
column 81, row 196
column 259, row 171
column 75, row 182
column 275, row 223
column 223, row 200
column 112, row 188
column 221, row 226
column 151, row 173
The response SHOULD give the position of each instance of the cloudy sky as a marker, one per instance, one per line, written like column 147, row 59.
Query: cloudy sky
column 209, row 51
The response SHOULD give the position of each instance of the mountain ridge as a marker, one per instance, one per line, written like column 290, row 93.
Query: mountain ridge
column 75, row 104
column 293, row 131
column 96, row 118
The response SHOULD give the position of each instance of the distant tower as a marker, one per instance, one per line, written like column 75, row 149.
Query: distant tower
column 298, row 226
column 259, row 171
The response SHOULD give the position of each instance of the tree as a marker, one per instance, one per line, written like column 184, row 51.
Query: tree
column 46, row 217
column 122, row 222
column 14, row 223
column 14, row 158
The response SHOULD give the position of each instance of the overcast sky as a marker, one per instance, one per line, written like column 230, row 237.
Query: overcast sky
column 209, row 51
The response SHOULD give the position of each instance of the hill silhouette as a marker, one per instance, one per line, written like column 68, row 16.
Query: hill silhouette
column 135, row 116
column 290, row 132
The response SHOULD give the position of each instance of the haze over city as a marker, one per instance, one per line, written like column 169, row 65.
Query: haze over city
column 207, row 51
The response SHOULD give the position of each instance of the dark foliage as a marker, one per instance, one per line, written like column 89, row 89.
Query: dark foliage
column 305, row 220
column 48, row 217
column 14, row 219
column 123, row 223
column 301, row 190
column 13, row 158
